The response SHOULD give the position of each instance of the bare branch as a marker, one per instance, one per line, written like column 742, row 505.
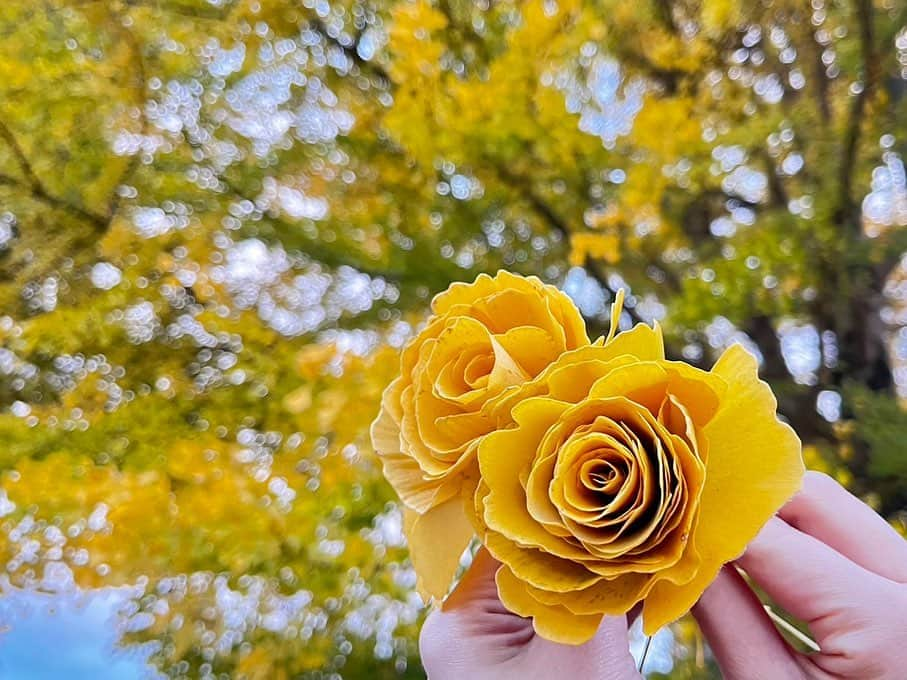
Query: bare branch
column 38, row 193
column 664, row 10
column 141, row 89
column 21, row 158
column 821, row 79
column 523, row 187
column 847, row 210
column 351, row 51
column 596, row 268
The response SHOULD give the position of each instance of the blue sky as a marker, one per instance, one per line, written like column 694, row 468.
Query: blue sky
column 69, row 635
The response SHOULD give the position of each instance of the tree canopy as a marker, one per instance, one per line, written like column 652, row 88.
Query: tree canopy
column 220, row 220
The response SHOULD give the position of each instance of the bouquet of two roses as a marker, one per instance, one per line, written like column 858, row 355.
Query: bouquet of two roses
column 599, row 474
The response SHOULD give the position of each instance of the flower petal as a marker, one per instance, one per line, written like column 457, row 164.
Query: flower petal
column 667, row 602
column 571, row 381
column 754, row 463
column 608, row 596
column 644, row 382
column 385, row 431
column 754, row 467
column 436, row 540
column 532, row 348
column 504, row 456
column 506, row 371
column 643, row 342
column 408, row 480
column 539, row 568
column 552, row 622
column 462, row 293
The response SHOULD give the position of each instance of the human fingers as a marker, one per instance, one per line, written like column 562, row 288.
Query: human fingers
column 472, row 633
column 827, row 511
column 605, row 657
column 808, row 578
column 855, row 615
column 746, row 644
column 477, row 587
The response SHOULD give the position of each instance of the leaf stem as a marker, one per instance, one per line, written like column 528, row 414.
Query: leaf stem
column 788, row 628
column 645, row 653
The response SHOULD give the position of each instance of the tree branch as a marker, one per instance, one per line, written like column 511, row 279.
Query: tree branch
column 664, row 9
column 327, row 258
column 760, row 329
column 668, row 78
column 38, row 193
column 821, row 79
column 21, row 158
column 141, row 89
column 522, row 186
column 777, row 194
column 595, row 267
column 847, row 209
column 350, row 51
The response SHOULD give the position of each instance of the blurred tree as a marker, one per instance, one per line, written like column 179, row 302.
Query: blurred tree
column 218, row 219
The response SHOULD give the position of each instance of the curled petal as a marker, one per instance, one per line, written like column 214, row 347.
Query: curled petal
column 552, row 622
column 754, row 467
column 539, row 568
column 436, row 561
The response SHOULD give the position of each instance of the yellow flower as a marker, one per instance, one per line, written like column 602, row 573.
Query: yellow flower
column 483, row 340
column 626, row 477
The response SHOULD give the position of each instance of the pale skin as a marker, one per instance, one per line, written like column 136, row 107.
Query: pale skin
column 827, row 558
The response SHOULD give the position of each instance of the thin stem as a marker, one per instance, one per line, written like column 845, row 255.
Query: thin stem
column 645, row 653
column 788, row 628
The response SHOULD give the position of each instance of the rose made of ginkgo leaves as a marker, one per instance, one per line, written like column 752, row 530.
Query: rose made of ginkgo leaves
column 482, row 341
column 624, row 478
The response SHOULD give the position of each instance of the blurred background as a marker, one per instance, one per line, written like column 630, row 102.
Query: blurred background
column 221, row 219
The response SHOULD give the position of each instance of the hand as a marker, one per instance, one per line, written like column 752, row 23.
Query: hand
column 474, row 636
column 830, row 561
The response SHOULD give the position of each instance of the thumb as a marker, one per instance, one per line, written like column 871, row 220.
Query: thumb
column 605, row 657
column 477, row 588
column 472, row 633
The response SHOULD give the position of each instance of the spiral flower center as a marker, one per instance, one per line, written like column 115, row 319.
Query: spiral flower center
column 602, row 476
column 617, row 481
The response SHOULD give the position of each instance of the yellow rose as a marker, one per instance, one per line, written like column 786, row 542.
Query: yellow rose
column 625, row 477
column 483, row 340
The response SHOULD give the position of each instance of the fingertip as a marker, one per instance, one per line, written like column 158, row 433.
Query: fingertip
column 801, row 573
column 716, row 591
column 477, row 585
column 827, row 511
column 613, row 629
column 818, row 490
column 612, row 642
column 432, row 646
column 767, row 542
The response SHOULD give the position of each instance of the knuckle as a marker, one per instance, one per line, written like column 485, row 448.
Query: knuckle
column 868, row 635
